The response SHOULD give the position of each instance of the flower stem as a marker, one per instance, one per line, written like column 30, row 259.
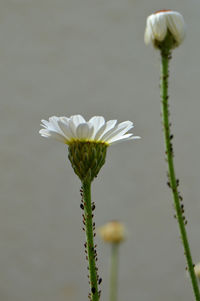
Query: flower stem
column 91, row 252
column 114, row 271
column 173, row 182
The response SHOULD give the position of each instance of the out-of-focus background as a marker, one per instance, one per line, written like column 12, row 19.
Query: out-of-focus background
column 66, row 57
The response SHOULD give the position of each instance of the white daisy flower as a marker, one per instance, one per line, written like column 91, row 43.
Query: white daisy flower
column 159, row 23
column 76, row 128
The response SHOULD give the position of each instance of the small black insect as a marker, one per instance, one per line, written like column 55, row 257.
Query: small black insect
column 93, row 290
column 81, row 206
column 100, row 280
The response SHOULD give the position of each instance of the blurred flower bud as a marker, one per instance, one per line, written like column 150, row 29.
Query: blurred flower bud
column 197, row 270
column 112, row 232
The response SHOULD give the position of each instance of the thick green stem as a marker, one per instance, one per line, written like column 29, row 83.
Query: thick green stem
column 173, row 182
column 91, row 251
column 114, row 272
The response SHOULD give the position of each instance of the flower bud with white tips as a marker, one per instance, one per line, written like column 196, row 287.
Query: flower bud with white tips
column 165, row 26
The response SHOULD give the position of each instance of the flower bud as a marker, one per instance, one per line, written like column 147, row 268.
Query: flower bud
column 162, row 25
column 112, row 232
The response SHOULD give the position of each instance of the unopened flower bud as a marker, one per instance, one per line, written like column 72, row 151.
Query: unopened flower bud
column 165, row 25
column 112, row 232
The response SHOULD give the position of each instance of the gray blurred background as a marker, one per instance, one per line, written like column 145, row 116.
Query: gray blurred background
column 64, row 57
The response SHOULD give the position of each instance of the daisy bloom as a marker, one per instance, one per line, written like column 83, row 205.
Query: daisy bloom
column 87, row 143
column 163, row 23
column 87, row 140
column 76, row 128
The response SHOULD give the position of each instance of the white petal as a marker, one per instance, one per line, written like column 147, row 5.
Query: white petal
column 72, row 127
column 84, row 131
column 77, row 119
column 51, row 124
column 65, row 129
column 97, row 122
column 123, row 138
column 52, row 134
column 45, row 124
column 148, row 35
column 108, row 126
column 65, row 119
column 158, row 25
column 44, row 133
column 91, row 131
column 119, row 130
column 110, row 141
column 57, row 128
column 58, row 137
column 54, row 123
column 176, row 26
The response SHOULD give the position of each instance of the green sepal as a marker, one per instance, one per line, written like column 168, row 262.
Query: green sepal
column 167, row 44
column 87, row 158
